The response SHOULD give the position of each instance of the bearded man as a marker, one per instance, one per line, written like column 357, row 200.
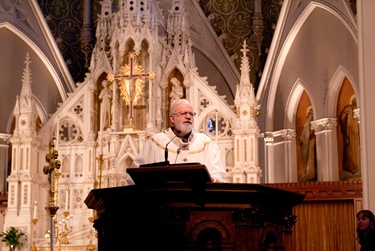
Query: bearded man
column 183, row 144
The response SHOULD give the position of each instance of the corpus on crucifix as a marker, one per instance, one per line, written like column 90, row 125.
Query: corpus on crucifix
column 131, row 84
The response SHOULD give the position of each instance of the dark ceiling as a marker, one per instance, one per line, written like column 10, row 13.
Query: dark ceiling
column 231, row 24
column 231, row 21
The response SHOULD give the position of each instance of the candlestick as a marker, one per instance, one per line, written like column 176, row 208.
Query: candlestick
column 67, row 199
column 101, row 142
column 35, row 210
column 91, row 220
column 100, row 167
column 57, row 133
column 34, row 221
column 66, row 214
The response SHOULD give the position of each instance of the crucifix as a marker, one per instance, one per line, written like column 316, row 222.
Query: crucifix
column 131, row 84
column 53, row 176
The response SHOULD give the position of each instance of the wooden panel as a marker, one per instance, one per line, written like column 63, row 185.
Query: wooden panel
column 326, row 218
column 330, row 190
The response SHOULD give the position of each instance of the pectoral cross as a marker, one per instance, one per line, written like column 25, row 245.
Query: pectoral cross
column 131, row 84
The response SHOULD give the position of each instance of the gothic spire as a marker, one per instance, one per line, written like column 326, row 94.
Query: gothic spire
column 245, row 91
column 25, row 110
column 26, row 78
column 245, row 67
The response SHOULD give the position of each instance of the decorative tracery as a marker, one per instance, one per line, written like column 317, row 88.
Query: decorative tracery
column 216, row 125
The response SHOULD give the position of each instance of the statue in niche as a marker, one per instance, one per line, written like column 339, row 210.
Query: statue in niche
column 350, row 134
column 105, row 106
column 177, row 91
column 307, row 143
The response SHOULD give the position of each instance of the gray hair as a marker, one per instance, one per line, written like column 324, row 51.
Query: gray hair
column 177, row 103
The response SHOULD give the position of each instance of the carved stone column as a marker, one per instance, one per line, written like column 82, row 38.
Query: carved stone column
column 326, row 148
column 289, row 137
column 269, row 157
column 280, row 144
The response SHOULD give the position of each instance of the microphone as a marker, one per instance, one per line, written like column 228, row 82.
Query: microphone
column 166, row 148
column 178, row 152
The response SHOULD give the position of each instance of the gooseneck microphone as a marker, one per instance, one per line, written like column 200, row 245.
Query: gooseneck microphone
column 166, row 147
column 178, row 152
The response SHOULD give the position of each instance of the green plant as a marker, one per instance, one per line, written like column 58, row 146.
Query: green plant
column 12, row 237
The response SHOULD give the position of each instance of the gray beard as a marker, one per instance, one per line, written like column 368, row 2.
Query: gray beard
column 185, row 128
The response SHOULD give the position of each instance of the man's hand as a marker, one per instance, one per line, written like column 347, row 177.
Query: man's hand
column 216, row 180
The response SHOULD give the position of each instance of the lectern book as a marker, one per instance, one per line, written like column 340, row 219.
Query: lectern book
column 188, row 173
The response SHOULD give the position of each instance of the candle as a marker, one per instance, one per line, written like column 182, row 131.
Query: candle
column 101, row 142
column 35, row 209
column 67, row 199
column 57, row 133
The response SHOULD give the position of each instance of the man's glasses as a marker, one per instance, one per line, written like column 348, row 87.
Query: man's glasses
column 184, row 114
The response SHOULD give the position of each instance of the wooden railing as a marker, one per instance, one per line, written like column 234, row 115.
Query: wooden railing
column 329, row 190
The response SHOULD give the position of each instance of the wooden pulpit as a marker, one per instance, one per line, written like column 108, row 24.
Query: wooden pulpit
column 177, row 208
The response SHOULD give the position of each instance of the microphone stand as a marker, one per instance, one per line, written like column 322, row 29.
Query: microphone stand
column 178, row 152
column 166, row 162
column 166, row 148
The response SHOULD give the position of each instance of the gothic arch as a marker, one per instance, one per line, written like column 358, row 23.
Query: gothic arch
column 177, row 74
column 209, row 224
column 41, row 55
column 105, row 66
column 65, row 166
column 229, row 158
column 298, row 105
column 174, row 64
column 129, row 47
column 122, row 160
column 273, row 70
column 306, row 140
column 145, row 45
column 293, row 101
column 270, row 238
column 334, row 90
column 115, row 44
column 348, row 133
column 78, row 165
column 122, row 164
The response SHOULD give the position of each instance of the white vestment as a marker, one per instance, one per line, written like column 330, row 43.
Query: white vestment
column 198, row 148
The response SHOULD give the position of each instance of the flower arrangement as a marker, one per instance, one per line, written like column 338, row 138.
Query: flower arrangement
column 12, row 238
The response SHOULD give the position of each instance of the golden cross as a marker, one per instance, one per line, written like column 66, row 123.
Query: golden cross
column 52, row 172
column 131, row 83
